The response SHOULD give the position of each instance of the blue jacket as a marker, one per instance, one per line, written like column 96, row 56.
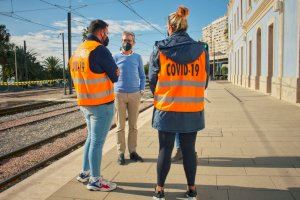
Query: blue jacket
column 182, row 49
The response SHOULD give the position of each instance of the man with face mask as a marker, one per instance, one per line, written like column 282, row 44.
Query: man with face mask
column 129, row 90
column 94, row 71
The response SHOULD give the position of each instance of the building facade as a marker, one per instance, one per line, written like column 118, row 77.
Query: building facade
column 216, row 36
column 264, row 46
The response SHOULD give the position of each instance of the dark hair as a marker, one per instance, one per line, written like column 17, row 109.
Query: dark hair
column 97, row 25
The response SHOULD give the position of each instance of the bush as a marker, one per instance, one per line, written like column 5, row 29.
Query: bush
column 224, row 70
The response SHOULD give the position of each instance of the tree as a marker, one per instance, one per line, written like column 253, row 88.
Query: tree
column 224, row 69
column 146, row 68
column 4, row 47
column 85, row 33
column 1, row 73
column 53, row 66
column 35, row 69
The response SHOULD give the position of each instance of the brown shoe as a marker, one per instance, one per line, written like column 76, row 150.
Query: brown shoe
column 178, row 156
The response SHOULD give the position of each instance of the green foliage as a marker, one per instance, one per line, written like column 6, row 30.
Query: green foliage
column 85, row 33
column 224, row 70
column 206, row 46
column 53, row 67
column 4, row 47
column 7, row 60
column 146, row 68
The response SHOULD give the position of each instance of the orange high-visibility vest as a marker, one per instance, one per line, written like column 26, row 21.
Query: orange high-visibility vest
column 91, row 88
column 180, row 87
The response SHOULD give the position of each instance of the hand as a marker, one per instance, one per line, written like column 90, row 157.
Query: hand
column 118, row 72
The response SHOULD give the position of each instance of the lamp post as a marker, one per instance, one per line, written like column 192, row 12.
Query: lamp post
column 64, row 73
column 16, row 65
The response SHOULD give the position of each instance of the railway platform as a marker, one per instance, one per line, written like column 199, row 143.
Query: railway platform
column 249, row 150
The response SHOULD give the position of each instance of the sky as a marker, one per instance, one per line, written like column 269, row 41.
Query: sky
column 49, row 19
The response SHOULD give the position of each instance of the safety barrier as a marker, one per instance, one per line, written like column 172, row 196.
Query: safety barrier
column 29, row 83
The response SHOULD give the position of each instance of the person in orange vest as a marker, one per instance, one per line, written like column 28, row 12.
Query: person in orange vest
column 93, row 72
column 178, row 75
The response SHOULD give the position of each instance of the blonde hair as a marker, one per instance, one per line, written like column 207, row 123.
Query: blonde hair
column 178, row 19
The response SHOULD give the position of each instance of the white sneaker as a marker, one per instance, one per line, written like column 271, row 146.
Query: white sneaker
column 101, row 185
column 83, row 177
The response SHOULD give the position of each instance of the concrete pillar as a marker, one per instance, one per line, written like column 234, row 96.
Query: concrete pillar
column 280, row 47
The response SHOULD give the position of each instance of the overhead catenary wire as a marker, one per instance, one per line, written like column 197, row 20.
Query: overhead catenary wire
column 34, row 10
column 15, row 16
column 137, row 14
column 12, row 6
column 135, row 2
column 55, row 5
column 80, row 15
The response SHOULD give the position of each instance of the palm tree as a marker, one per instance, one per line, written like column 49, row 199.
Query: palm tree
column 53, row 66
column 4, row 44
column 85, row 33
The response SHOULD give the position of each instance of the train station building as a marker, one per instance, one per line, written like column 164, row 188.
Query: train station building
column 264, row 42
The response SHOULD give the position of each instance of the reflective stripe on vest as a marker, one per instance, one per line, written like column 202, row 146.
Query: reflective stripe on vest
column 181, row 83
column 95, row 95
column 91, row 81
column 91, row 88
column 180, row 87
column 179, row 99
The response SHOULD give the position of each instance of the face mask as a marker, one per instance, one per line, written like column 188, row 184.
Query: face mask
column 126, row 46
column 106, row 41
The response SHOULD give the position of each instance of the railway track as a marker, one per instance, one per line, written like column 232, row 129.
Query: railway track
column 27, row 107
column 35, row 118
column 17, row 154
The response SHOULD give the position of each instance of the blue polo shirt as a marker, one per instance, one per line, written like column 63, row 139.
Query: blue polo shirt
column 132, row 75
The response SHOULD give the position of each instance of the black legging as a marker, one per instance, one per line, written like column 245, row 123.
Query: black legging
column 187, row 145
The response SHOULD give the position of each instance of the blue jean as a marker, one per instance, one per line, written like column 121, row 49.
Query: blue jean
column 98, row 119
column 177, row 142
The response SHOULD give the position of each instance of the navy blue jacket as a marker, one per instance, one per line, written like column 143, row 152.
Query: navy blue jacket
column 101, row 60
column 182, row 49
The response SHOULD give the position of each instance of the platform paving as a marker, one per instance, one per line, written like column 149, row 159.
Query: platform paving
column 250, row 150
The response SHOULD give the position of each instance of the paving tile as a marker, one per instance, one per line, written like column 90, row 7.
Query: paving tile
column 286, row 183
column 247, row 151
column 78, row 190
column 245, row 194
column 251, row 182
column 271, row 171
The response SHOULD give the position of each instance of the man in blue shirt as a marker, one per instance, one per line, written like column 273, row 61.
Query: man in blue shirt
column 129, row 90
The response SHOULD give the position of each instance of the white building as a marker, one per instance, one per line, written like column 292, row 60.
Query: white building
column 264, row 43
column 216, row 36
